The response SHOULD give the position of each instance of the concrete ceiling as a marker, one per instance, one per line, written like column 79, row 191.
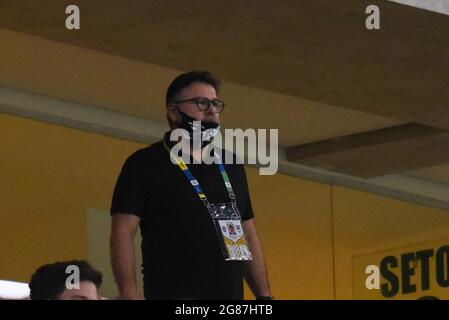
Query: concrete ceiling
column 438, row 174
column 317, row 51
column 440, row 6
column 398, row 148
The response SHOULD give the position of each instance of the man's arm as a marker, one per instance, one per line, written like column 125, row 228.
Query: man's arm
column 255, row 271
column 123, row 258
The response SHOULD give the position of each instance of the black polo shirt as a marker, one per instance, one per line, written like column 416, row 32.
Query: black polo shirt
column 182, row 258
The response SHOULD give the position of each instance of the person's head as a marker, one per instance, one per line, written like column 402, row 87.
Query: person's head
column 49, row 282
column 187, row 93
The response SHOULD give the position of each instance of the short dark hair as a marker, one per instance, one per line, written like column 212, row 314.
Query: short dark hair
column 49, row 281
column 186, row 79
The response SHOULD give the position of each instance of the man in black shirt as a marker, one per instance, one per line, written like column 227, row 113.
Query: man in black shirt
column 182, row 251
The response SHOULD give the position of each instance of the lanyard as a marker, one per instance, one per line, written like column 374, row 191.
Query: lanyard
column 195, row 183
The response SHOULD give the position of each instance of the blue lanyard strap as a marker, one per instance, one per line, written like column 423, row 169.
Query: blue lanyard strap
column 195, row 183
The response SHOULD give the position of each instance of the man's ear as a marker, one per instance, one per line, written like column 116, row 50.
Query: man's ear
column 172, row 114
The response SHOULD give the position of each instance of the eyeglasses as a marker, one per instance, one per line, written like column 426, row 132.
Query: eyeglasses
column 203, row 103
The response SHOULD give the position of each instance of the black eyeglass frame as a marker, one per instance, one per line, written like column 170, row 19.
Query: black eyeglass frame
column 197, row 100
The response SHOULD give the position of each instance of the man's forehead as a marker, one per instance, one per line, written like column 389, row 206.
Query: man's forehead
column 199, row 87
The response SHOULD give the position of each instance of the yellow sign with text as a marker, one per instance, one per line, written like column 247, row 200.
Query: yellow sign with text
column 414, row 272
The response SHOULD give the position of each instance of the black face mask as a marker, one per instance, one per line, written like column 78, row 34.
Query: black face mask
column 208, row 129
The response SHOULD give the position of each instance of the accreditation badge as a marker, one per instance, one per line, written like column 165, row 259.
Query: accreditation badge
column 230, row 233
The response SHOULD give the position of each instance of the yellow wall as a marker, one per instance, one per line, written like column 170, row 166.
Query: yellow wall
column 365, row 224
column 52, row 176
column 294, row 224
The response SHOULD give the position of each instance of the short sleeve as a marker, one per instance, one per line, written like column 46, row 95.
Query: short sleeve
column 128, row 196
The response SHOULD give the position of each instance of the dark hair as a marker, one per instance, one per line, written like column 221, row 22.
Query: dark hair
column 186, row 79
column 428, row 298
column 49, row 281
